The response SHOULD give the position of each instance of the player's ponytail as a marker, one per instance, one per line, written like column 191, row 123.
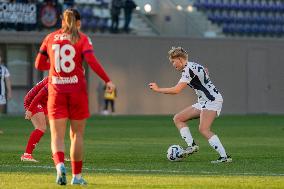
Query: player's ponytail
column 70, row 18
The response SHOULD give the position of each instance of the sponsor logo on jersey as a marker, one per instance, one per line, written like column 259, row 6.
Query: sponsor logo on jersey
column 64, row 80
column 61, row 37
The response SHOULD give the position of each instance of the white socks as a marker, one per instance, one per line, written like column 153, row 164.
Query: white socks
column 213, row 141
column 217, row 145
column 186, row 135
column 58, row 167
column 78, row 176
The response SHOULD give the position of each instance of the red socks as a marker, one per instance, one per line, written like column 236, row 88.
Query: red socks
column 58, row 157
column 76, row 167
column 33, row 140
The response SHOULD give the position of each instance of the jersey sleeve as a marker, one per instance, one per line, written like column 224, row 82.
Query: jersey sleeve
column 40, row 95
column 6, row 73
column 42, row 83
column 34, row 91
column 87, row 45
column 90, row 58
column 185, row 77
column 41, row 62
column 96, row 66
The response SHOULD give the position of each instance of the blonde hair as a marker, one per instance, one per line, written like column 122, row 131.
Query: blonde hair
column 177, row 52
column 70, row 17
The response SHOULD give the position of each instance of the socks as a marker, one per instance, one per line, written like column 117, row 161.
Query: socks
column 58, row 166
column 58, row 157
column 186, row 135
column 33, row 140
column 217, row 145
column 213, row 141
column 78, row 176
column 76, row 168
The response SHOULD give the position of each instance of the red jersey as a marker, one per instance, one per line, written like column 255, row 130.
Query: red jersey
column 40, row 98
column 30, row 96
column 66, row 73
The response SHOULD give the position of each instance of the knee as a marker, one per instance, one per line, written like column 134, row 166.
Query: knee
column 76, row 136
column 177, row 119
column 71, row 136
column 203, row 131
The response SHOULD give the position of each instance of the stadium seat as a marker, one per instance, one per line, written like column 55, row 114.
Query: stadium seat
column 246, row 17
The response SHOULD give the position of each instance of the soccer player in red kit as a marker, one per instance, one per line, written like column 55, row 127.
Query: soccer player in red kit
column 35, row 105
column 65, row 50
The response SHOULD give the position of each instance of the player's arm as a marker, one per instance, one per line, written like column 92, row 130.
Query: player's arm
column 9, row 87
column 40, row 95
column 96, row 66
column 87, row 51
column 42, row 83
column 98, row 69
column 34, row 91
column 42, row 62
column 172, row 90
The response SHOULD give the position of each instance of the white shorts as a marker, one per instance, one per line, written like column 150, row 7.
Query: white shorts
column 2, row 100
column 209, row 105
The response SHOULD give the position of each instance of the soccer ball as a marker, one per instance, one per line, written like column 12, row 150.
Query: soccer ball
column 175, row 153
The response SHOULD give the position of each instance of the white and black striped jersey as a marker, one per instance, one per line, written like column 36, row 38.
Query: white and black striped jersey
column 195, row 76
column 3, row 74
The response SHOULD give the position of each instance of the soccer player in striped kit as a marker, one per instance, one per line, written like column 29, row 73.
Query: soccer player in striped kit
column 5, row 82
column 207, row 108
column 66, row 49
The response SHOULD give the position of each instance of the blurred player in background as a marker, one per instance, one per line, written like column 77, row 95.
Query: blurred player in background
column 67, row 90
column 35, row 105
column 5, row 82
column 109, row 98
column 207, row 108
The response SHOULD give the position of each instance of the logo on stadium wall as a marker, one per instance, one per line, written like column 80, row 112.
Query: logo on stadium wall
column 24, row 13
column 48, row 16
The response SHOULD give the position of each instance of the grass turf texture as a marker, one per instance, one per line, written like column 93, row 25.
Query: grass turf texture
column 130, row 152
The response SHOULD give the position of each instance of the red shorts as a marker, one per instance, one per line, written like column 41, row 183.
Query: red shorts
column 68, row 105
column 39, row 108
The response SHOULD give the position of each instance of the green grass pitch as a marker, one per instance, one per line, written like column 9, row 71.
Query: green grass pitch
column 130, row 152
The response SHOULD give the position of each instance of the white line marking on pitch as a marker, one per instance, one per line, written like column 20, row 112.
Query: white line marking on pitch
column 148, row 170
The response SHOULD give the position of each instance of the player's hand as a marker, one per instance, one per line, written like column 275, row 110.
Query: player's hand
column 153, row 86
column 28, row 115
column 110, row 86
